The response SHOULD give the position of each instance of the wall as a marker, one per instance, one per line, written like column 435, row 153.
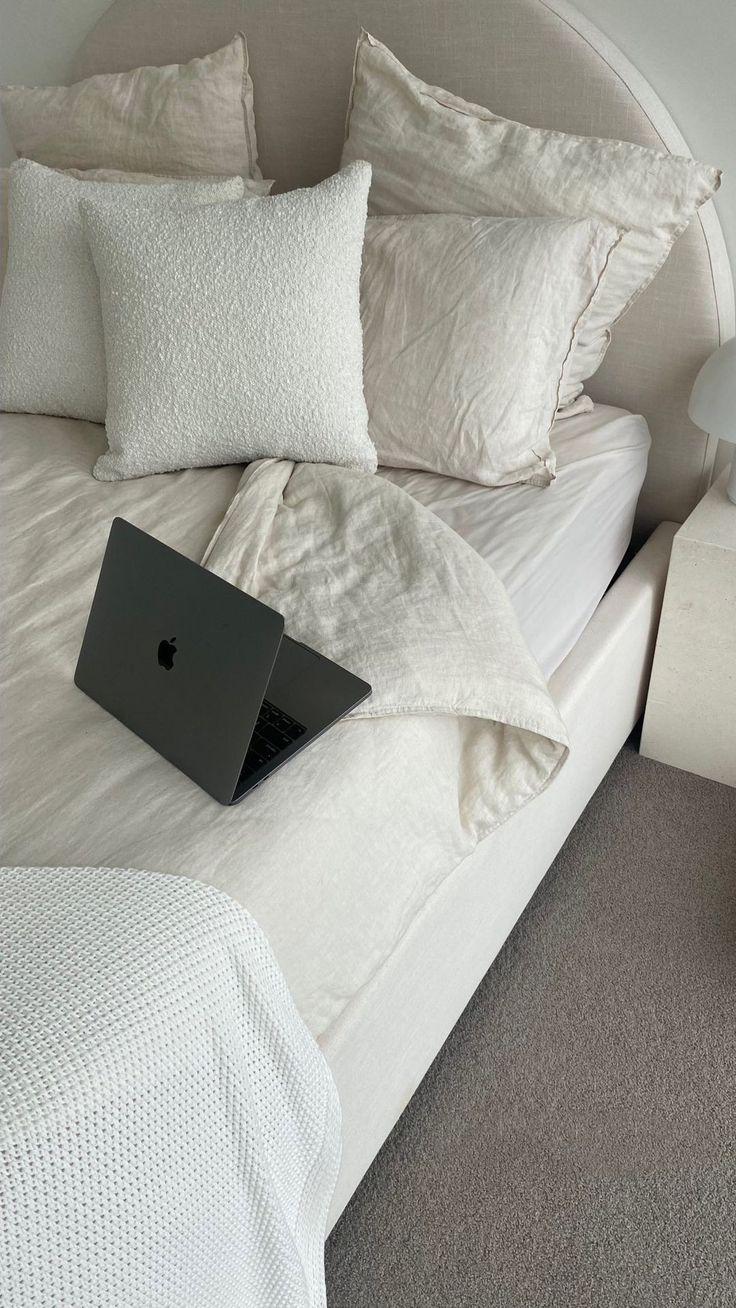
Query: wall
column 686, row 49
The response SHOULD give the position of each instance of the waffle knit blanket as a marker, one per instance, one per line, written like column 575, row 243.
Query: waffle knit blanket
column 169, row 1131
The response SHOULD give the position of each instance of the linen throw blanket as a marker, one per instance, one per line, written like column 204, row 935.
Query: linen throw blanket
column 169, row 1131
column 376, row 582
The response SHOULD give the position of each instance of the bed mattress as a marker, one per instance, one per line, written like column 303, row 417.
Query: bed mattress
column 340, row 886
column 555, row 552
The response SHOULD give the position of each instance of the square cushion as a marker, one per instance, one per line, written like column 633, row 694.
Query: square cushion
column 232, row 332
column 52, row 354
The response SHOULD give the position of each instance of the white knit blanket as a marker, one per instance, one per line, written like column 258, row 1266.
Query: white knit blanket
column 169, row 1131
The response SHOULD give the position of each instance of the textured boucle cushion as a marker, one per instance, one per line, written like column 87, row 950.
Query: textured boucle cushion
column 467, row 323
column 4, row 184
column 52, row 353
column 433, row 152
column 232, row 332
column 183, row 119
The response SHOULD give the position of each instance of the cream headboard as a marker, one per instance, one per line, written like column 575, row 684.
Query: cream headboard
column 538, row 61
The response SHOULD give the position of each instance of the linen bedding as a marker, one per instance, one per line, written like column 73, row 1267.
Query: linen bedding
column 337, row 853
column 557, row 552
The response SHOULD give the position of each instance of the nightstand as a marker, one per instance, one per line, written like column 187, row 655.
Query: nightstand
column 690, row 719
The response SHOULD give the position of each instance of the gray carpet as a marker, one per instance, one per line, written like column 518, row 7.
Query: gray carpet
column 573, row 1144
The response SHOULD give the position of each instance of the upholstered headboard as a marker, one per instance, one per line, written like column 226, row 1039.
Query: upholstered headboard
column 538, row 61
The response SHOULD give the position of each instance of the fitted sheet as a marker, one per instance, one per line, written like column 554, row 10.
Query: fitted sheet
column 345, row 878
column 555, row 551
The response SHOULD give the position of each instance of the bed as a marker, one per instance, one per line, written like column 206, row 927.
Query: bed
column 381, row 965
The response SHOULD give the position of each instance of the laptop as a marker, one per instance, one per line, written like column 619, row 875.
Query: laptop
column 201, row 671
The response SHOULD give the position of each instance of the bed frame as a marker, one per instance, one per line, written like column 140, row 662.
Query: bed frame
column 541, row 62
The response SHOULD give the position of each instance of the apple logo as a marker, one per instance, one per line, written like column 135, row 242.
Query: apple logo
column 166, row 652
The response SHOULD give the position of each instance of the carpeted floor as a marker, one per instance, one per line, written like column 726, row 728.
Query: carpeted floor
column 573, row 1144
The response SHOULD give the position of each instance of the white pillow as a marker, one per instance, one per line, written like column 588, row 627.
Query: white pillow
column 232, row 332
column 52, row 353
column 433, row 152
column 190, row 119
column 467, row 323
column 252, row 186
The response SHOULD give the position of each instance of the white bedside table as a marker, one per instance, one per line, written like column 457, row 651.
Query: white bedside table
column 690, row 718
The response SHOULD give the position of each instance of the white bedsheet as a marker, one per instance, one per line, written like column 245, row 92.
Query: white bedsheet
column 555, row 552
column 116, row 809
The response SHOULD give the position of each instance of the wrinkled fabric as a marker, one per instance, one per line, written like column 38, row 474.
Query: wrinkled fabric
column 370, row 578
column 467, row 323
column 182, row 119
column 335, row 855
column 555, row 552
column 433, row 152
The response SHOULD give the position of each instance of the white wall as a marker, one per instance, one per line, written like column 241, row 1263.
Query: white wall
column 686, row 49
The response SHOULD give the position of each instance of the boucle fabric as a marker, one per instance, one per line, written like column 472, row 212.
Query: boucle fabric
column 4, row 182
column 184, row 119
column 233, row 333
column 251, row 186
column 169, row 1131
column 52, row 351
column 433, row 152
column 467, row 323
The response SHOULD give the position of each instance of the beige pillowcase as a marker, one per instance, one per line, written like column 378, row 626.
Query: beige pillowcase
column 434, row 152
column 467, row 323
column 183, row 119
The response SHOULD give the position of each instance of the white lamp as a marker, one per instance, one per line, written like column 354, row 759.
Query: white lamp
column 713, row 401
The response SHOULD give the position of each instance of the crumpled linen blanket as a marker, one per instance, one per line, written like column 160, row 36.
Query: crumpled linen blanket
column 376, row 582
column 169, row 1131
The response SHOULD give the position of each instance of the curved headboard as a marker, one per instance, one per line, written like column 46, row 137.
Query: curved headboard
column 537, row 61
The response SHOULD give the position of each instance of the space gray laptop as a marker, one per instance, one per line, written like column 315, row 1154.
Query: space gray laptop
column 201, row 671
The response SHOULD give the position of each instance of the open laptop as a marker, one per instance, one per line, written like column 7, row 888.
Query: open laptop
column 201, row 671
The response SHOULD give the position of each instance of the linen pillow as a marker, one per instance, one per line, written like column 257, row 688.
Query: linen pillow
column 52, row 353
column 467, row 323
column 434, row 152
column 232, row 332
column 251, row 186
column 182, row 119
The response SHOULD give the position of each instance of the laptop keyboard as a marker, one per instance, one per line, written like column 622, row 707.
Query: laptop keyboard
column 273, row 733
